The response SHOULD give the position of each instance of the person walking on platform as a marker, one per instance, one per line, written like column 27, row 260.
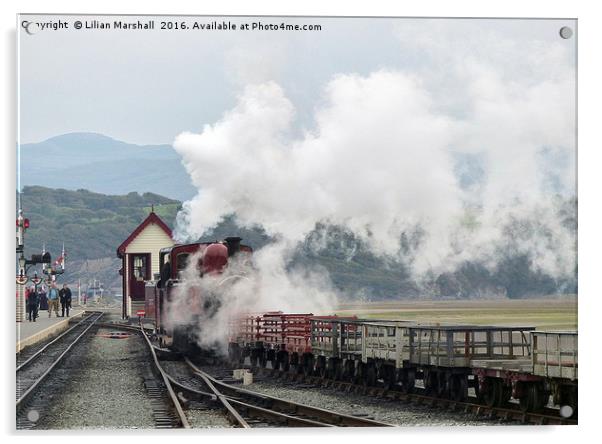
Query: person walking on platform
column 65, row 297
column 42, row 298
column 32, row 304
column 53, row 301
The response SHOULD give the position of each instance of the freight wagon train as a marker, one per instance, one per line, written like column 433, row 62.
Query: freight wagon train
column 498, row 363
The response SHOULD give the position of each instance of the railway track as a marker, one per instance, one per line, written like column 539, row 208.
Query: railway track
column 172, row 415
column 247, row 409
column 508, row 412
column 35, row 365
column 281, row 411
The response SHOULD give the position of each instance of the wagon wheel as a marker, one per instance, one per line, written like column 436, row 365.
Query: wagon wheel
column 358, row 377
column 321, row 368
column 493, row 393
column 308, row 366
column 458, row 387
column 534, row 398
column 443, row 385
column 262, row 360
column 271, row 358
column 389, row 377
column 430, row 381
column 292, row 362
column 570, row 399
column 408, row 380
column 296, row 364
column 337, row 370
column 330, row 363
column 284, row 362
column 370, row 376
column 348, row 368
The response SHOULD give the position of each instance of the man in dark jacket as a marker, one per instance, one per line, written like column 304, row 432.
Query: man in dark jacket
column 65, row 298
column 32, row 304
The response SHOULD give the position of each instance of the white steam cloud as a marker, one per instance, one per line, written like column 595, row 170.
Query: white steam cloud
column 220, row 300
column 382, row 160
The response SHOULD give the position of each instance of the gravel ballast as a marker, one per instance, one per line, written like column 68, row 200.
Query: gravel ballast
column 105, row 390
column 381, row 409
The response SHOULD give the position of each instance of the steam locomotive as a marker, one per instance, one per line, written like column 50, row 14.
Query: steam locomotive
column 175, row 307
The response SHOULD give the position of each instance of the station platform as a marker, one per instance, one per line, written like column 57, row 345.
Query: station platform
column 29, row 333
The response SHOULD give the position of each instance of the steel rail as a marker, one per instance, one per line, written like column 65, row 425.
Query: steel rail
column 25, row 396
column 278, row 417
column 232, row 412
column 226, row 401
column 290, row 408
column 238, row 419
column 39, row 352
column 166, row 380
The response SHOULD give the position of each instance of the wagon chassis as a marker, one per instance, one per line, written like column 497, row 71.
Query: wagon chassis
column 506, row 413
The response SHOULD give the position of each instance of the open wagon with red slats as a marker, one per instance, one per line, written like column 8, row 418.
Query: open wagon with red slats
column 278, row 338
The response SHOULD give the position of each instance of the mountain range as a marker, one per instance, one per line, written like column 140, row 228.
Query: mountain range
column 99, row 163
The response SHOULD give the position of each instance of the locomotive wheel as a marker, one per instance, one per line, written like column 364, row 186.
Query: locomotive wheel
column 458, row 387
column 534, row 398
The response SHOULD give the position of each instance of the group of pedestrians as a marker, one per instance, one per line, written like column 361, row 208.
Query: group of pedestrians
column 36, row 299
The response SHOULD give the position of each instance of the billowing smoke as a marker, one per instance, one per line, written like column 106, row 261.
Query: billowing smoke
column 215, row 304
column 389, row 157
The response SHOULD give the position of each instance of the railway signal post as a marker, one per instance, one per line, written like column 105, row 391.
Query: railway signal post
column 22, row 225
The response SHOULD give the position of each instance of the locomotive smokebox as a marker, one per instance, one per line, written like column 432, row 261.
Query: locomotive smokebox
column 233, row 244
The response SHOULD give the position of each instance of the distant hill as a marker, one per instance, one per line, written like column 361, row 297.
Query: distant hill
column 105, row 165
column 93, row 225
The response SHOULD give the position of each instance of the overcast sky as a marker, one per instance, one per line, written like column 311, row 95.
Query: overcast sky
column 149, row 86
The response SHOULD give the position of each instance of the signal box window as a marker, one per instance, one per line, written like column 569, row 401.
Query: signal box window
column 140, row 268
